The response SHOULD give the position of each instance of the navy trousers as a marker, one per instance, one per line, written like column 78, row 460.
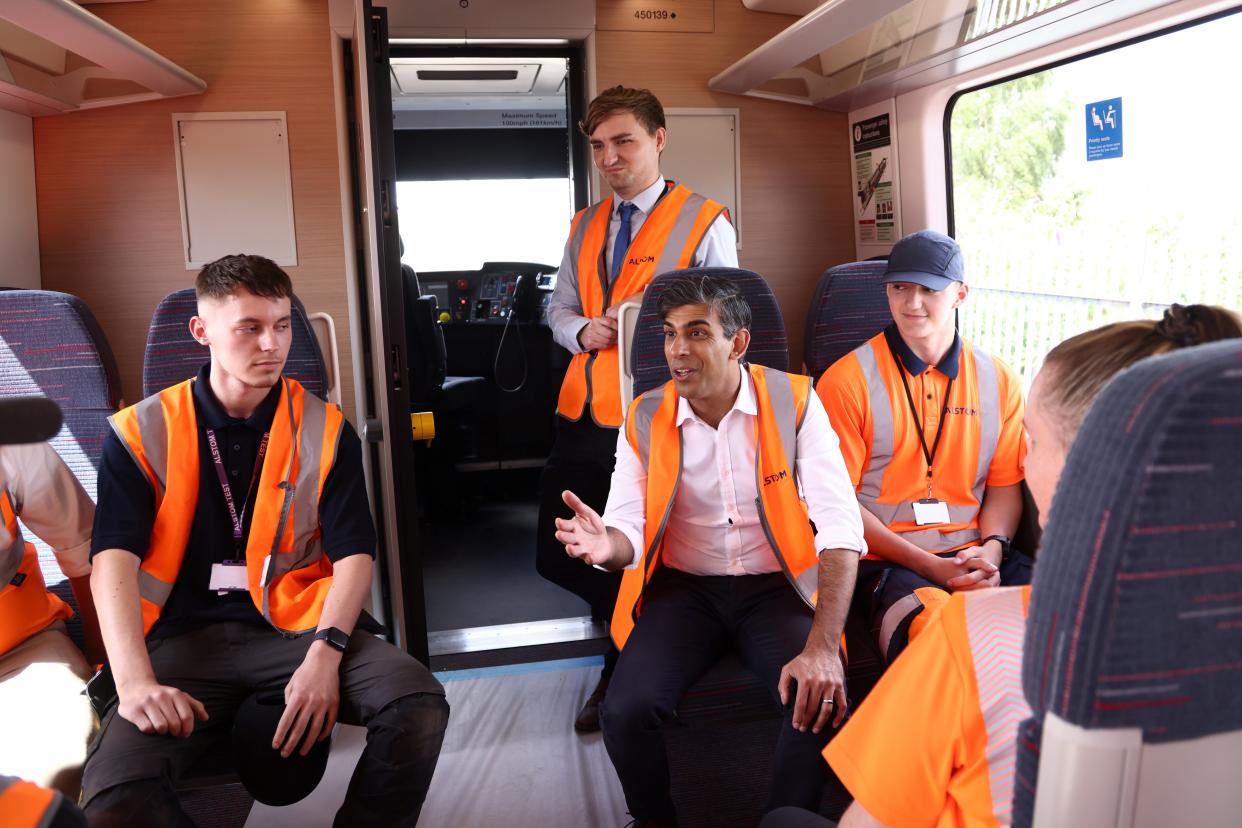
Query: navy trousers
column 687, row 623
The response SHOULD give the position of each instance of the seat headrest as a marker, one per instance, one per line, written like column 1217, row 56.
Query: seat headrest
column 848, row 308
column 1136, row 612
column 52, row 346
column 769, row 343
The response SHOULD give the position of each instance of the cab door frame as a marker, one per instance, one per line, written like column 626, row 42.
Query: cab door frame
column 385, row 400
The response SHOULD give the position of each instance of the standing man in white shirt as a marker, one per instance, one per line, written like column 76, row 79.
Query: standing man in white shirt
column 717, row 474
column 616, row 247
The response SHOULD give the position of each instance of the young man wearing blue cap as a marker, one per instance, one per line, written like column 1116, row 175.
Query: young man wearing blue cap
column 931, row 432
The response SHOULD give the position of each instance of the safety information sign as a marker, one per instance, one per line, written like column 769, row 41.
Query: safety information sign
column 873, row 179
column 1104, row 129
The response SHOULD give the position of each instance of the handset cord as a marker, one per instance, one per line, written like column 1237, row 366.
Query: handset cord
column 500, row 346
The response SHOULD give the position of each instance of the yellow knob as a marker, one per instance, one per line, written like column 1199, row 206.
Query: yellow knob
column 444, row 316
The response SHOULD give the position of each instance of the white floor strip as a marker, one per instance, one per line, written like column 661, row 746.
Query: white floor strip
column 522, row 634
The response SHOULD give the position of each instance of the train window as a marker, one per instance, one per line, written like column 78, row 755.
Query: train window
column 459, row 225
column 1097, row 190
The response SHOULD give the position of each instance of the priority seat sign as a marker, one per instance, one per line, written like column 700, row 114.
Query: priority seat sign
column 1104, row 129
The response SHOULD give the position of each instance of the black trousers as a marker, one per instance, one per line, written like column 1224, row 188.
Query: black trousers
column 687, row 623
column 791, row 817
column 581, row 460
column 129, row 775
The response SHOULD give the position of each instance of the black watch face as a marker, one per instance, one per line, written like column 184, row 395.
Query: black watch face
column 334, row 637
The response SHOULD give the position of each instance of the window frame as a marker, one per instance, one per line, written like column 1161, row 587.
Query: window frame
column 951, row 104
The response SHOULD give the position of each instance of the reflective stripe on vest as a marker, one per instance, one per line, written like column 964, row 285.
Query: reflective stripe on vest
column 161, row 434
column 781, row 402
column 26, row 607
column 871, row 484
column 667, row 241
column 26, row 805
column 995, row 626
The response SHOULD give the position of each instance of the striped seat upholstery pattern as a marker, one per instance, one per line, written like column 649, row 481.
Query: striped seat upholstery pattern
column 172, row 355
column 1136, row 611
column 848, row 308
column 769, row 343
column 52, row 346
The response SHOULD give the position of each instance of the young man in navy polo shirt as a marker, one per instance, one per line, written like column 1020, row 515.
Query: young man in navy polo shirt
column 232, row 552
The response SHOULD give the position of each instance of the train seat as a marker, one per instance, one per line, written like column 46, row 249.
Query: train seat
column 848, row 308
column 769, row 344
column 1133, row 652
column 172, row 355
column 52, row 346
column 431, row 388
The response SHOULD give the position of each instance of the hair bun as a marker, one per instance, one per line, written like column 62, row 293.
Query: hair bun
column 1178, row 326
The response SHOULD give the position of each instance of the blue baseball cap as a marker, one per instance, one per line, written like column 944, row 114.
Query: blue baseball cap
column 926, row 258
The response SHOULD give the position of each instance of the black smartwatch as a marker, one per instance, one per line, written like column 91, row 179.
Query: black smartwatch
column 1005, row 543
column 336, row 639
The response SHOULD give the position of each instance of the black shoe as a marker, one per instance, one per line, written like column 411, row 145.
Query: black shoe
column 587, row 720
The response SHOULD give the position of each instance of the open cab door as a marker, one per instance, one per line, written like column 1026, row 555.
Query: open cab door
column 386, row 399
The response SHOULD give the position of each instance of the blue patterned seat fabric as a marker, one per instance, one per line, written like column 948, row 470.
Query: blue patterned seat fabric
column 847, row 309
column 52, row 346
column 1134, row 617
column 769, row 344
column 172, row 355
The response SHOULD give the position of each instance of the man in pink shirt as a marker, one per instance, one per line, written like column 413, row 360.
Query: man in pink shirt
column 716, row 475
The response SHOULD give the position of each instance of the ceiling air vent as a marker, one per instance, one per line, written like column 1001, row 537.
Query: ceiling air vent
column 467, row 74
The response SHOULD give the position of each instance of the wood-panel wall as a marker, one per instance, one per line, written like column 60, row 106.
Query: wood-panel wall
column 796, row 178
column 109, row 220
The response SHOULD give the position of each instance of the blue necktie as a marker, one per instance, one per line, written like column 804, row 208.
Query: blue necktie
column 622, row 244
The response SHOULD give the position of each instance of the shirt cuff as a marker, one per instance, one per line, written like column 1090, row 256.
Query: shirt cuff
column 635, row 540
column 825, row 540
column 574, row 335
column 76, row 560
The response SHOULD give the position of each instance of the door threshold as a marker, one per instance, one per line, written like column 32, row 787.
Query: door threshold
column 521, row 634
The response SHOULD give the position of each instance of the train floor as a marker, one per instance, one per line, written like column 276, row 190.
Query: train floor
column 511, row 759
column 479, row 556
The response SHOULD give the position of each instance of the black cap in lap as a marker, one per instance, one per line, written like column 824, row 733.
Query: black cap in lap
column 269, row 777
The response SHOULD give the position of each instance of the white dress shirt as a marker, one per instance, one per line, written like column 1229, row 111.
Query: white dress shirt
column 51, row 502
column 718, row 249
column 714, row 527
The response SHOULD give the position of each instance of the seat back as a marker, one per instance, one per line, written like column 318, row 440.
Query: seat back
column 1133, row 653
column 52, row 346
column 426, row 354
column 847, row 309
column 172, row 355
column 769, row 343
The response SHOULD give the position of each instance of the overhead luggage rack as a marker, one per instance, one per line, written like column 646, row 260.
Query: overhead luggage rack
column 56, row 57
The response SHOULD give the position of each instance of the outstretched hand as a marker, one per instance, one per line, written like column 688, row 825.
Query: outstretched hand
column 584, row 535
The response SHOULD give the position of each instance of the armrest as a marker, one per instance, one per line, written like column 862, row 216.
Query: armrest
column 627, row 319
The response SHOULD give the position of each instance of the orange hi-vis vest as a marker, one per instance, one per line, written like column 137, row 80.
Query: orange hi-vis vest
column 288, row 573
column 666, row 241
column 26, row 805
column 651, row 428
column 883, row 376
column 26, row 607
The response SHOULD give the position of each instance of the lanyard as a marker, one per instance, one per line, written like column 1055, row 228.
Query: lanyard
column 930, row 456
column 236, row 518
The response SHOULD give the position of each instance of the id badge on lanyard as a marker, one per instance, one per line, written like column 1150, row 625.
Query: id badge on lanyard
column 928, row 511
column 230, row 576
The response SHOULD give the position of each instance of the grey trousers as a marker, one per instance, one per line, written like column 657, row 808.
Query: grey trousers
column 130, row 775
